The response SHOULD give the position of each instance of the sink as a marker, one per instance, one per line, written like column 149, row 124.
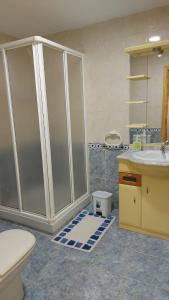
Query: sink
column 151, row 157
column 147, row 157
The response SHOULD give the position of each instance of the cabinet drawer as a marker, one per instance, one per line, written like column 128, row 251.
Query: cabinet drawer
column 129, row 178
column 130, row 205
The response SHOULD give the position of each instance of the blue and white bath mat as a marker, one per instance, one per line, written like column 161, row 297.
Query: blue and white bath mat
column 84, row 231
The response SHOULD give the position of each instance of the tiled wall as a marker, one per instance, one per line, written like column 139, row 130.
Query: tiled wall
column 103, row 165
column 154, row 132
column 106, row 66
column 104, row 169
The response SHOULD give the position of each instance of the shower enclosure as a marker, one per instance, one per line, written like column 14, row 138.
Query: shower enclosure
column 43, row 150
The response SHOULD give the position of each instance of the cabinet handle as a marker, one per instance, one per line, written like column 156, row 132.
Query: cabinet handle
column 147, row 190
column 134, row 200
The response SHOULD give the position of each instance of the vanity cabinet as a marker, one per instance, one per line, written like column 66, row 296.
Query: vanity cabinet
column 130, row 205
column 144, row 207
column 155, row 204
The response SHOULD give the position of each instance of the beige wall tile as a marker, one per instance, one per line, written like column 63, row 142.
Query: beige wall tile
column 106, row 66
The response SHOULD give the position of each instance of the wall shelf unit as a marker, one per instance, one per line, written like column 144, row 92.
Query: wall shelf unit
column 137, row 102
column 147, row 49
column 138, row 77
column 135, row 125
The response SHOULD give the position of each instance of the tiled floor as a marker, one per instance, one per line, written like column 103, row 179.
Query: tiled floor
column 123, row 266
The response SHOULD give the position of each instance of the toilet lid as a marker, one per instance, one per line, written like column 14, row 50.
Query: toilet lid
column 14, row 245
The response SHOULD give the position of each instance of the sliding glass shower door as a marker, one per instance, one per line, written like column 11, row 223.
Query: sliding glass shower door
column 64, row 91
column 75, row 83
column 26, row 121
column 56, row 103
column 8, row 182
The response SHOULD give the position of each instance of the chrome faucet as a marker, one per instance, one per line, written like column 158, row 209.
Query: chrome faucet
column 163, row 146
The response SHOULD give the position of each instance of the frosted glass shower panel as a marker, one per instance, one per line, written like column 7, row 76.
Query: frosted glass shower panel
column 77, row 124
column 8, row 185
column 55, row 89
column 23, row 92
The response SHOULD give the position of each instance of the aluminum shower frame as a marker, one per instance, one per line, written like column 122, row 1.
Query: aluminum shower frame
column 52, row 221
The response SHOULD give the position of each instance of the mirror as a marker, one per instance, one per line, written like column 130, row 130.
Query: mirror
column 165, row 106
column 149, row 96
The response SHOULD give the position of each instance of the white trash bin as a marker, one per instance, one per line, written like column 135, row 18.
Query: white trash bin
column 102, row 203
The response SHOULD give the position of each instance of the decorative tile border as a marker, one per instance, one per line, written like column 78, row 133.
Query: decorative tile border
column 149, row 130
column 104, row 146
column 61, row 239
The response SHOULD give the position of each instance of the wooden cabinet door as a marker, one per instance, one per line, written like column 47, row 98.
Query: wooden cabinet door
column 155, row 204
column 129, row 205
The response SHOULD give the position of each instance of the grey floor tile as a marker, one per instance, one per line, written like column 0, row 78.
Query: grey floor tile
column 161, row 294
column 123, row 266
column 162, row 275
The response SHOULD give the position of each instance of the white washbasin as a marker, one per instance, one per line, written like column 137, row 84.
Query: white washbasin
column 147, row 157
column 155, row 157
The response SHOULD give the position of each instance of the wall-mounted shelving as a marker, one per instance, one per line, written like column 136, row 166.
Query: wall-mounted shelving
column 147, row 49
column 135, row 125
column 138, row 92
column 138, row 77
column 137, row 102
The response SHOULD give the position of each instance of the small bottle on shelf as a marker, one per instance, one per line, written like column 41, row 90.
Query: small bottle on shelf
column 144, row 137
column 136, row 142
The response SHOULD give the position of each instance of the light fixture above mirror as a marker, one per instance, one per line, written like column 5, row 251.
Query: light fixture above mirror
column 154, row 38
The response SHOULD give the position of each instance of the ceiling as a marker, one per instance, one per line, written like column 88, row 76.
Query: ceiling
column 22, row 18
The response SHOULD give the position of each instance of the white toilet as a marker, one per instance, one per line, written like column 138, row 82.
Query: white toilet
column 15, row 248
